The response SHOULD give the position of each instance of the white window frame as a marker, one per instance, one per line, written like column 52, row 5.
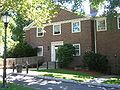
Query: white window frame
column 54, row 29
column 79, row 49
column 39, row 32
column 118, row 22
column 100, row 19
column 42, row 51
column 79, row 26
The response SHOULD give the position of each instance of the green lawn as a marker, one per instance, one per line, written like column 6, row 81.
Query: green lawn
column 12, row 86
column 113, row 81
column 67, row 74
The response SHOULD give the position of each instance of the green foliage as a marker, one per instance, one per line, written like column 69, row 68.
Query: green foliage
column 12, row 86
column 95, row 4
column 95, row 61
column 65, row 54
column 17, row 27
column 39, row 11
column 22, row 49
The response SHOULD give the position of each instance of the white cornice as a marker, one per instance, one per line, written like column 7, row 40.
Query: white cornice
column 60, row 22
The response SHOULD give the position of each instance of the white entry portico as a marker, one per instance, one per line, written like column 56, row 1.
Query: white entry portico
column 54, row 47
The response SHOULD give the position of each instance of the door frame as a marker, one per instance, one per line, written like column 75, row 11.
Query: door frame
column 53, row 44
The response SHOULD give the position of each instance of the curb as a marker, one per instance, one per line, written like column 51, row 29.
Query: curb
column 71, row 81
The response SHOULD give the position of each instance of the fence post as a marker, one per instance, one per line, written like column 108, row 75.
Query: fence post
column 47, row 64
column 13, row 66
column 37, row 65
column 27, row 67
column 55, row 64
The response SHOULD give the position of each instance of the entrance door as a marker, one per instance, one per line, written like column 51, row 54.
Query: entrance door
column 54, row 48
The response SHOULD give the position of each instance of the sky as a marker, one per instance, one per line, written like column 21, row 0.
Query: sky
column 86, row 8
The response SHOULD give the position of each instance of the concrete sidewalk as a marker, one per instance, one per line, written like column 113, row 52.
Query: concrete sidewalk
column 42, row 83
column 32, row 79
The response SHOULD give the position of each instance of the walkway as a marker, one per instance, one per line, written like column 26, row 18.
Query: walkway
column 40, row 83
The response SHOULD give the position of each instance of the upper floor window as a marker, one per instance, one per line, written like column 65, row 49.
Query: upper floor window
column 118, row 22
column 40, row 51
column 76, row 27
column 77, row 49
column 57, row 29
column 40, row 32
column 101, row 24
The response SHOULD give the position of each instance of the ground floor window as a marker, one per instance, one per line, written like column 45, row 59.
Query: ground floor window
column 40, row 51
column 77, row 49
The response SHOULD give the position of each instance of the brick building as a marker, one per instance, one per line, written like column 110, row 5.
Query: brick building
column 86, row 34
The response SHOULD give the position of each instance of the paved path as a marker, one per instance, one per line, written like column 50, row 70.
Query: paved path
column 45, row 84
column 31, row 80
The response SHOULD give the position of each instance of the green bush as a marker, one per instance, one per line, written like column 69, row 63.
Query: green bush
column 22, row 49
column 65, row 54
column 95, row 61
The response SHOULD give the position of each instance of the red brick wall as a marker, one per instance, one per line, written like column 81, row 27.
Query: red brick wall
column 108, row 43
column 83, row 37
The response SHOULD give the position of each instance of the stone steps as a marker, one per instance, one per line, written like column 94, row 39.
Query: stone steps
column 51, row 65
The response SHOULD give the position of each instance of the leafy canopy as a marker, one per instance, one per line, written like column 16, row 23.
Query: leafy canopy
column 40, row 11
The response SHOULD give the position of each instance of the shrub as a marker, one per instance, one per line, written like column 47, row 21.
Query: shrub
column 22, row 49
column 95, row 61
column 65, row 54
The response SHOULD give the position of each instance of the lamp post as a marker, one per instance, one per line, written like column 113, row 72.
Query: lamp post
column 5, row 19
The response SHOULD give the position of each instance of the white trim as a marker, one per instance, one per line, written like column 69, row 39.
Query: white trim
column 54, row 29
column 79, row 26
column 100, row 19
column 53, row 44
column 118, row 22
column 39, row 32
column 59, row 22
column 42, row 50
column 79, row 49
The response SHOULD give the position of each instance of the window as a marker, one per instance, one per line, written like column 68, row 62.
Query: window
column 56, row 29
column 118, row 22
column 76, row 27
column 40, row 51
column 40, row 32
column 77, row 49
column 101, row 24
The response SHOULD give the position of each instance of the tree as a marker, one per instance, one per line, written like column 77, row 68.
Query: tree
column 65, row 54
column 40, row 11
column 17, row 27
column 111, row 6
column 22, row 49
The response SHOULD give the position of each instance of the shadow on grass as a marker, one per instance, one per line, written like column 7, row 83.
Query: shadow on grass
column 66, row 74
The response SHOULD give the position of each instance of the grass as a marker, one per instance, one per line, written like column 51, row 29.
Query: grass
column 12, row 86
column 67, row 74
column 113, row 81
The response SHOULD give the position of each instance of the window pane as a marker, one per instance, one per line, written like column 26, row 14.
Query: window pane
column 101, row 25
column 40, row 34
column 39, row 51
column 56, row 29
column 77, row 50
column 76, row 27
column 39, row 29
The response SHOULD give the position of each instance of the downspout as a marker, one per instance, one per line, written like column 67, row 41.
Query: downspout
column 95, row 36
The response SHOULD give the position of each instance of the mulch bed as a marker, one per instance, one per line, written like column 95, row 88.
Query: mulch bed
column 85, row 71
